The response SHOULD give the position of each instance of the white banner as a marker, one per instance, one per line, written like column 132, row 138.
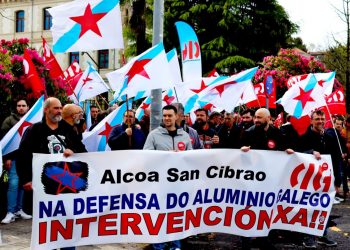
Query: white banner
column 158, row 196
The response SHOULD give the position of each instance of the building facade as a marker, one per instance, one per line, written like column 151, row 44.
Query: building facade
column 30, row 19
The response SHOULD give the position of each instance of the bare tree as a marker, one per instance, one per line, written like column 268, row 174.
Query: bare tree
column 344, row 15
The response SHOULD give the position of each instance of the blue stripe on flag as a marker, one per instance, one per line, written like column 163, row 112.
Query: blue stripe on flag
column 68, row 39
column 298, row 110
column 331, row 76
column 35, row 109
column 171, row 54
column 190, row 103
column 248, row 76
column 117, row 119
column 311, row 84
column 38, row 105
column 153, row 52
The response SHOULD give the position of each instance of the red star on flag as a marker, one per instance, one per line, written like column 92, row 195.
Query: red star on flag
column 137, row 69
column 89, row 21
column 304, row 97
column 202, row 87
column 23, row 125
column 221, row 88
column 144, row 106
column 66, row 180
column 208, row 106
column 107, row 131
column 86, row 80
column 168, row 99
column 321, row 82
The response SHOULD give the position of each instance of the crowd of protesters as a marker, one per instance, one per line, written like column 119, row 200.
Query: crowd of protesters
column 61, row 130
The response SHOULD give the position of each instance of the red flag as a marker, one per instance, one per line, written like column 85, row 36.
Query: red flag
column 72, row 75
column 55, row 70
column 260, row 93
column 33, row 80
column 301, row 124
column 279, row 120
column 336, row 102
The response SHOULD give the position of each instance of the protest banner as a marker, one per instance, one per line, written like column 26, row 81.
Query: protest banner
column 159, row 196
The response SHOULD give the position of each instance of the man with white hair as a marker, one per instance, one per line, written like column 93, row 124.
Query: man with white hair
column 50, row 136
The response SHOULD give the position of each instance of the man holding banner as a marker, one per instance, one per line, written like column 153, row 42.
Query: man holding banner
column 50, row 136
column 168, row 137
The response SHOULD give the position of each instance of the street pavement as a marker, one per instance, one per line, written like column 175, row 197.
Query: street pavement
column 16, row 235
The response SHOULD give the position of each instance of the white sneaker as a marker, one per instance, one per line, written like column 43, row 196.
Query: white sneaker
column 336, row 201
column 10, row 217
column 23, row 215
column 339, row 198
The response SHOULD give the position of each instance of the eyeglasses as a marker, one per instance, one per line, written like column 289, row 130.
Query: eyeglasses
column 128, row 116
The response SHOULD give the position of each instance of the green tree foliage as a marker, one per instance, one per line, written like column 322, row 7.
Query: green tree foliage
column 335, row 59
column 234, row 34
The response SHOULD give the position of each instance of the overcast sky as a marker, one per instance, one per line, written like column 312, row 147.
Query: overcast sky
column 318, row 21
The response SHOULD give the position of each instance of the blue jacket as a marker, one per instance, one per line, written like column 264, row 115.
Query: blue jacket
column 119, row 140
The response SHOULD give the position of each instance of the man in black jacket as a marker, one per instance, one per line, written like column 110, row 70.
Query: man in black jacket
column 262, row 135
column 127, row 135
column 50, row 136
column 315, row 141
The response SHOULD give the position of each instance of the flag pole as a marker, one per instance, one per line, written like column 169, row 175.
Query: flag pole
column 336, row 134
column 97, row 103
column 177, row 98
column 128, row 123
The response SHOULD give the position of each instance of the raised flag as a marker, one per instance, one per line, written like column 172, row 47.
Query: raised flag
column 55, row 70
column 148, row 71
column 174, row 66
column 224, row 92
column 10, row 142
column 86, row 25
column 96, row 140
column 72, row 75
column 90, row 85
column 303, row 97
column 279, row 120
column 248, row 95
column 88, row 116
column 168, row 97
column 141, row 109
column 190, row 52
column 336, row 102
column 325, row 80
column 33, row 80
column 259, row 90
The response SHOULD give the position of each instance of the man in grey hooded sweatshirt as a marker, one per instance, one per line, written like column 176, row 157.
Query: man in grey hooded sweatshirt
column 168, row 137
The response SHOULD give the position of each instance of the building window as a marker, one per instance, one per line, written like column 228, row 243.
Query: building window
column 47, row 19
column 73, row 56
column 103, row 58
column 20, row 21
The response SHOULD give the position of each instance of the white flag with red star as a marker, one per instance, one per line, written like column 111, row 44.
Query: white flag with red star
column 96, row 140
column 148, row 71
column 89, row 85
column 86, row 25
column 303, row 97
column 10, row 142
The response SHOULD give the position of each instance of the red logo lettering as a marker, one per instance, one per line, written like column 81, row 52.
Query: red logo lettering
column 313, row 175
